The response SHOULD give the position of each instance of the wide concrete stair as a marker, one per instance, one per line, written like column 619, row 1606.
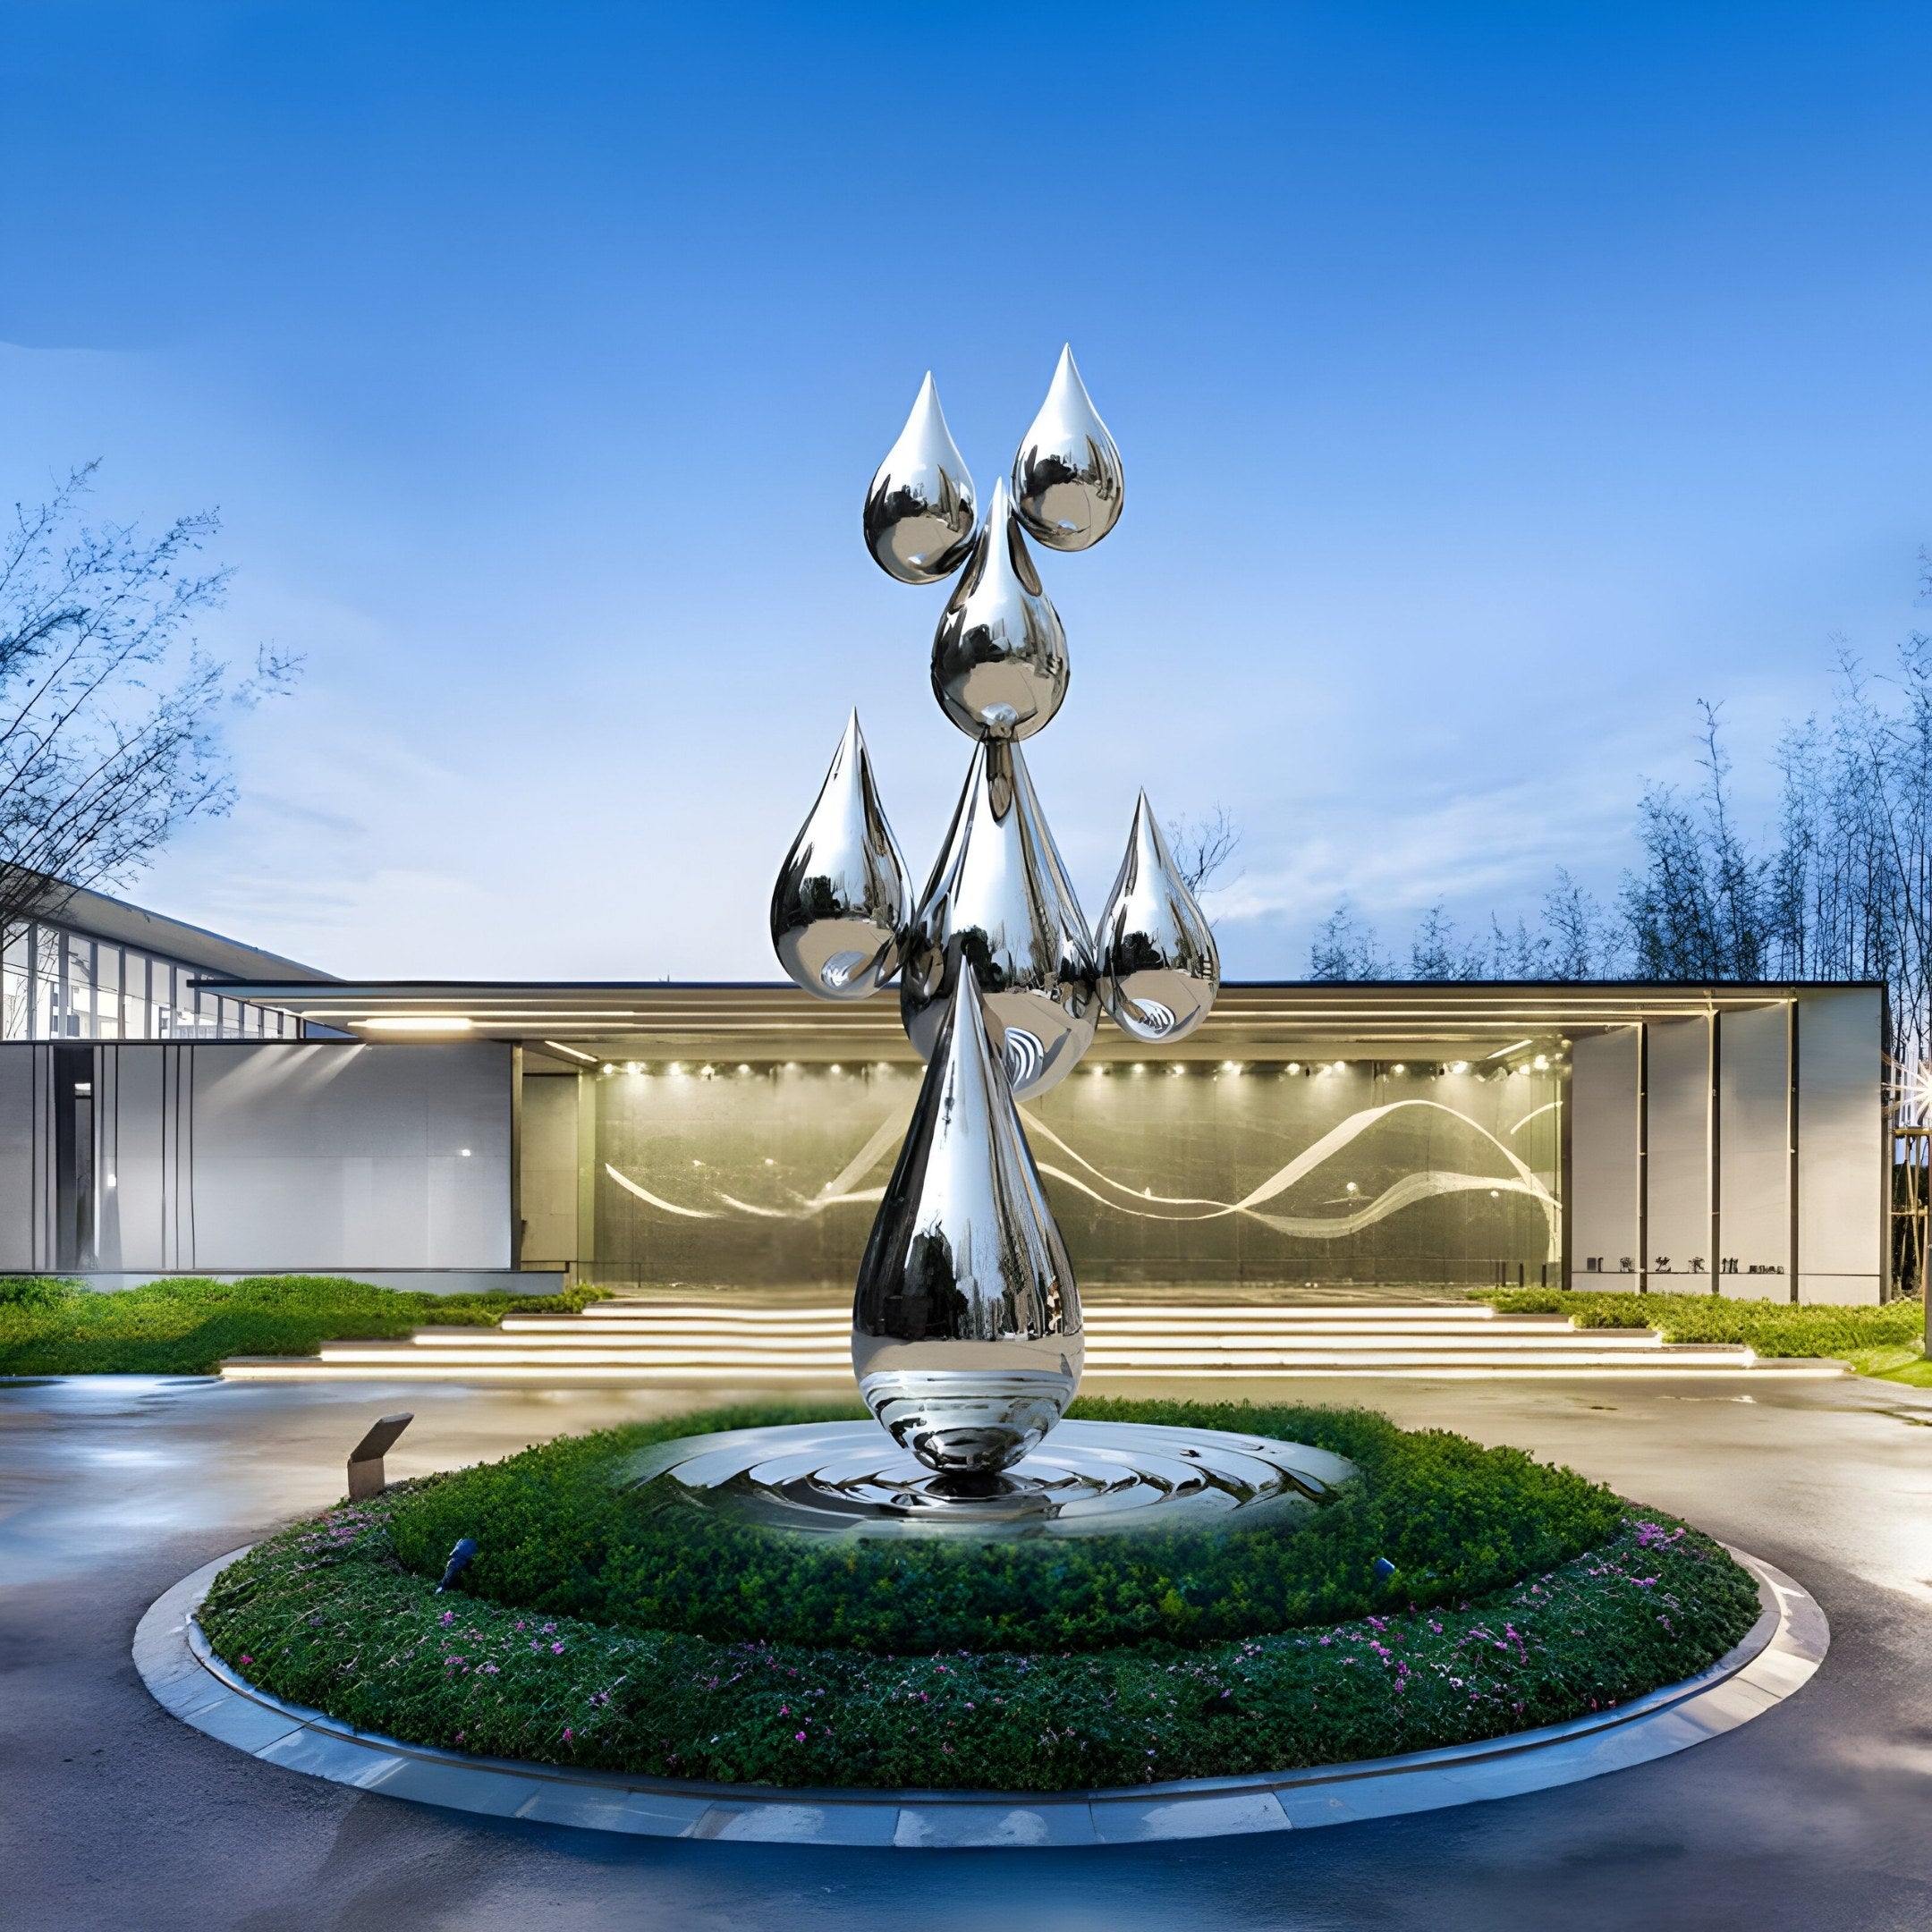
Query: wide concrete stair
column 658, row 1342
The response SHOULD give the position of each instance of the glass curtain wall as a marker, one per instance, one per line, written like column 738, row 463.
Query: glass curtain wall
column 57, row 985
column 1309, row 1172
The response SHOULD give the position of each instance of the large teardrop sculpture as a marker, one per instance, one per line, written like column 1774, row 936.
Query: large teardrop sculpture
column 999, row 661
column 839, row 908
column 919, row 509
column 966, row 1324
column 1159, row 969
column 999, row 903
column 1068, row 485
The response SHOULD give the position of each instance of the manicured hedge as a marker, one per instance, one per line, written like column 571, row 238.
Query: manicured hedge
column 1771, row 1327
column 188, row 1326
column 327, row 1615
column 1456, row 1520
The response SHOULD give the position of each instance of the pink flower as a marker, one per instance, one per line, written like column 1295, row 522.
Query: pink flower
column 798, row 1737
column 448, row 1616
column 567, row 1734
column 556, row 1649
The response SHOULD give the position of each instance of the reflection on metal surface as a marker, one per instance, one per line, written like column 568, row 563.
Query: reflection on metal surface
column 918, row 511
column 1067, row 482
column 1104, row 1478
column 966, row 1324
column 999, row 659
column 1159, row 970
column 999, row 897
column 841, row 899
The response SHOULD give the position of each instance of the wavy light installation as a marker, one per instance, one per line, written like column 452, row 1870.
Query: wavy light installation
column 1121, row 1199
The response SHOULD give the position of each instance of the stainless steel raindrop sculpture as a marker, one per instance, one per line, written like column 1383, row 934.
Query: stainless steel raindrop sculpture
column 999, row 902
column 1159, row 970
column 999, row 662
column 966, row 1325
column 1067, row 482
column 919, row 513
column 838, row 910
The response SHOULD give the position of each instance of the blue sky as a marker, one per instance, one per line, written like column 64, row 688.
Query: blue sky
column 1493, row 383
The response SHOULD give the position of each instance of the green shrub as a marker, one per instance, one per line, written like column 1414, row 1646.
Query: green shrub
column 327, row 1615
column 185, row 1324
column 1770, row 1327
column 1456, row 1520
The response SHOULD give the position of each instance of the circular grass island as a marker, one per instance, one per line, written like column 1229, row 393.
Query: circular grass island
column 1445, row 1594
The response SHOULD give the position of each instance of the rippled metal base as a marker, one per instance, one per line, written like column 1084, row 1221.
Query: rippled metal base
column 1087, row 1479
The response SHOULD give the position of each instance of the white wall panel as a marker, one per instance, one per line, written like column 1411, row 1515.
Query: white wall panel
column 1605, row 1171
column 319, row 1155
column 1841, row 1171
column 22, row 1089
column 1677, row 1203
column 1754, row 1153
column 549, row 1190
column 134, row 1211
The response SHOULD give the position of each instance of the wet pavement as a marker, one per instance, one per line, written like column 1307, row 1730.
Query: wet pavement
column 1818, row 1814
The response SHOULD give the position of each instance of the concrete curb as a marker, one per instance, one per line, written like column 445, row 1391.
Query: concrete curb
column 1778, row 1656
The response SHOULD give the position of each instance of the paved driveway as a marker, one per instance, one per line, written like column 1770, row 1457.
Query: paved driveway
column 1818, row 1814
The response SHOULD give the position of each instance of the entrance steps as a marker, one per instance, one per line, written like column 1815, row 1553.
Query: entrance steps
column 644, row 1342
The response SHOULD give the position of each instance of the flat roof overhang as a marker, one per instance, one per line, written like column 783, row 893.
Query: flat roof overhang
column 1259, row 1019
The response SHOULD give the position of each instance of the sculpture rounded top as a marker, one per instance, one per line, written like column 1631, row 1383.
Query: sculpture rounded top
column 1159, row 969
column 1068, row 485
column 920, row 507
column 999, row 662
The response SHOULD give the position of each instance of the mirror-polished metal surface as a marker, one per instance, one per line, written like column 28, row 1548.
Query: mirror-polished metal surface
column 839, row 907
column 966, row 1324
column 918, row 511
column 1089, row 1478
column 1068, row 485
column 1159, row 969
column 999, row 659
column 1000, row 897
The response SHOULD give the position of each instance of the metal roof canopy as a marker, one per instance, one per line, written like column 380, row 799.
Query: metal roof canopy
column 1262, row 1019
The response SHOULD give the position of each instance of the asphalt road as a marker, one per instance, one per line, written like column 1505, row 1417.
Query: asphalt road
column 112, row 1814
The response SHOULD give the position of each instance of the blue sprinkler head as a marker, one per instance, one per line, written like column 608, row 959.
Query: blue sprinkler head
column 459, row 1561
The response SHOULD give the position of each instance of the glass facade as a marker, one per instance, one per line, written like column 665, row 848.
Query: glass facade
column 56, row 984
column 1341, row 1169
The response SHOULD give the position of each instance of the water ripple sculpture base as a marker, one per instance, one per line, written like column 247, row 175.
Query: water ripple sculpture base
column 849, row 1479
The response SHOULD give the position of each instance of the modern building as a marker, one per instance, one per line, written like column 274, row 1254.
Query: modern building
column 171, row 1101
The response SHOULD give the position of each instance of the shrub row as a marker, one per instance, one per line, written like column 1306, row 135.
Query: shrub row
column 1771, row 1327
column 189, row 1325
column 326, row 1615
column 1456, row 1520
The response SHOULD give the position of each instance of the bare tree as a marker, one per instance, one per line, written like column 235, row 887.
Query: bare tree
column 1204, row 848
column 1344, row 948
column 110, row 715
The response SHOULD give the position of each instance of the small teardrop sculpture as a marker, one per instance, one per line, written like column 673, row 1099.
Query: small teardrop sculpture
column 966, row 1324
column 918, row 511
column 1068, row 485
column 1159, row 970
column 839, row 907
column 999, row 661
column 999, row 898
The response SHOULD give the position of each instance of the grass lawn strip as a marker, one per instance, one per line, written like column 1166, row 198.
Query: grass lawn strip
column 1886, row 1339
column 327, row 1615
column 188, row 1326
